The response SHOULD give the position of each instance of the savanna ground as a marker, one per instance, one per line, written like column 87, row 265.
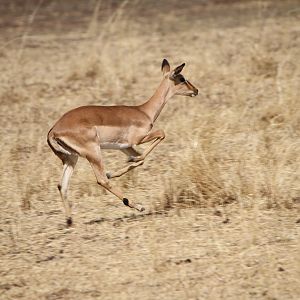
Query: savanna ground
column 222, row 192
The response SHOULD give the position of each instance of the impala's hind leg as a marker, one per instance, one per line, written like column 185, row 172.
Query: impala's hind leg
column 69, row 162
column 94, row 157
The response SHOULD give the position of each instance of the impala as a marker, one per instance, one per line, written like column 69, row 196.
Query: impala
column 86, row 130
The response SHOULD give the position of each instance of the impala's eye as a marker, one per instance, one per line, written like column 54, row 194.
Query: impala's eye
column 179, row 79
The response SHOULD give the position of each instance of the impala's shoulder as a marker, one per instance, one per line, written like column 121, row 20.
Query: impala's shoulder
column 143, row 113
column 134, row 116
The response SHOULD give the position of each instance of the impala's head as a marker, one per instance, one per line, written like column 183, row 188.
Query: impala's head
column 179, row 85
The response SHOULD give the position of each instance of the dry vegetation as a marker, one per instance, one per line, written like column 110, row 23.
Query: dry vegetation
column 222, row 191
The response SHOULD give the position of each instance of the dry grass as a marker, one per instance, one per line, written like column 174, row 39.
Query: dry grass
column 222, row 190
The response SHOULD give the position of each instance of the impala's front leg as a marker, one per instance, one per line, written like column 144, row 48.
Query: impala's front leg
column 157, row 136
column 130, row 152
column 137, row 158
column 124, row 170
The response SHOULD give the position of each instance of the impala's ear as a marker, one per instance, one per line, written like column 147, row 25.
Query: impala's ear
column 165, row 66
column 177, row 70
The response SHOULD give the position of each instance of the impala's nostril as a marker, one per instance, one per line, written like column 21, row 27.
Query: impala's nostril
column 196, row 92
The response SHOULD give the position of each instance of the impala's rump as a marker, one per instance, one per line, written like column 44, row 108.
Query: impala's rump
column 60, row 147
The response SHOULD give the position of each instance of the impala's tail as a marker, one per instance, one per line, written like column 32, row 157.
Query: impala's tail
column 57, row 145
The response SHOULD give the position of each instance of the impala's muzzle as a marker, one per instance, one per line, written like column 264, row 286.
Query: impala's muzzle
column 195, row 93
column 193, row 89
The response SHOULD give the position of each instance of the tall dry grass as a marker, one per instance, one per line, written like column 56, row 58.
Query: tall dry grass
column 245, row 147
column 238, row 141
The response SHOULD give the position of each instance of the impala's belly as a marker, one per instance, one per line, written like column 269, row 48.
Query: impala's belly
column 115, row 146
column 119, row 138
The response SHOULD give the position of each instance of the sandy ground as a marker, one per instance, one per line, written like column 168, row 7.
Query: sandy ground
column 47, row 63
column 185, row 255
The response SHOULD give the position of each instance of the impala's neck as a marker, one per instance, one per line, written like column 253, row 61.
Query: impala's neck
column 156, row 103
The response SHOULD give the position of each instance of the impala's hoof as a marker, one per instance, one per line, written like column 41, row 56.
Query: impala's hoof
column 131, row 159
column 126, row 201
column 139, row 207
column 108, row 175
column 69, row 221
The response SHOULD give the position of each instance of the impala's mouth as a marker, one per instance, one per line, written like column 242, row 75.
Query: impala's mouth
column 194, row 93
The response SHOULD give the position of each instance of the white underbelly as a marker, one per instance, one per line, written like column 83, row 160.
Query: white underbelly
column 115, row 146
